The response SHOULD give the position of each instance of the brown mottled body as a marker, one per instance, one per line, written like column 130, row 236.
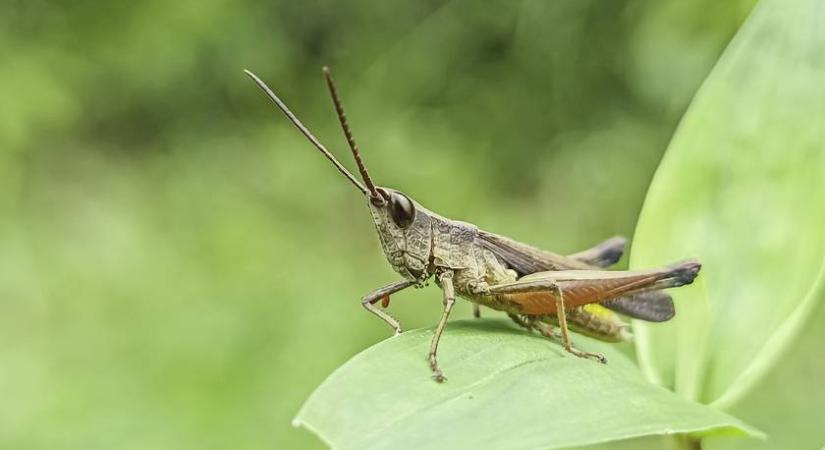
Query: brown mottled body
column 435, row 244
column 538, row 290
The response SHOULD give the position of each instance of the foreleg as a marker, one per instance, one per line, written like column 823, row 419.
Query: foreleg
column 373, row 297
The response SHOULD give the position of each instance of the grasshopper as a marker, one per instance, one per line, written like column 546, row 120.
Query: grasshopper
column 539, row 290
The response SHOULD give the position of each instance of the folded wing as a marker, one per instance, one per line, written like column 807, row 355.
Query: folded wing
column 652, row 306
column 536, row 294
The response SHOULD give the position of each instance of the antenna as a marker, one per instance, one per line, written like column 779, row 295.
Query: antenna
column 282, row 106
column 350, row 140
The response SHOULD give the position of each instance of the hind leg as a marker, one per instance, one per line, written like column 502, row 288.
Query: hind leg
column 565, row 337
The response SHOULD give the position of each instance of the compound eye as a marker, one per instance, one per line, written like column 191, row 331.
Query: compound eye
column 402, row 210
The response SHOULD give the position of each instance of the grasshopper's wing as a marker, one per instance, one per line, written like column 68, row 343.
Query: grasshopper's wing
column 535, row 294
column 605, row 254
column 654, row 306
column 526, row 259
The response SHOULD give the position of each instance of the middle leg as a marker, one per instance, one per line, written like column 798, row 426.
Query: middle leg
column 522, row 321
column 446, row 281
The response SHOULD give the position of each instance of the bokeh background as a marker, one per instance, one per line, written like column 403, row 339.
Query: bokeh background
column 179, row 268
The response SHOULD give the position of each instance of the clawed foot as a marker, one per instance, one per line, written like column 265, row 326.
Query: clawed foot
column 598, row 357
column 438, row 376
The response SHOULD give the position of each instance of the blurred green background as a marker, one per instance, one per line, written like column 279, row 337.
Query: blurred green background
column 179, row 268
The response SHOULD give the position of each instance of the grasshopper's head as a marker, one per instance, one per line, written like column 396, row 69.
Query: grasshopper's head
column 405, row 230
column 403, row 226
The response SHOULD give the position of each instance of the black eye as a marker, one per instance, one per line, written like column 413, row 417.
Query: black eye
column 401, row 210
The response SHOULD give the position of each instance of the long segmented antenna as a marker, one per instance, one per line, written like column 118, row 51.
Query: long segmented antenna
column 282, row 106
column 350, row 140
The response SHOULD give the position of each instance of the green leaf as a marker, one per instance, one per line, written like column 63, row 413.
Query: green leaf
column 506, row 389
column 741, row 188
